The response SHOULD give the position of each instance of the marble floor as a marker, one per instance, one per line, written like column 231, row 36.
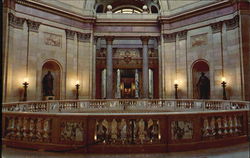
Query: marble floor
column 236, row 151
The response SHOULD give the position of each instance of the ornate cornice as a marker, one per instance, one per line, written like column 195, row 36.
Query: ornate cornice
column 232, row 23
column 16, row 22
column 83, row 37
column 216, row 27
column 33, row 25
column 169, row 37
column 182, row 35
column 70, row 34
column 55, row 10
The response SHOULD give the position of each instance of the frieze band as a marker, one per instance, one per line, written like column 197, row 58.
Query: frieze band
column 216, row 27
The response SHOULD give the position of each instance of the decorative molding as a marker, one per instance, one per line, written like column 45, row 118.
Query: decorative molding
column 52, row 39
column 169, row 37
column 16, row 22
column 83, row 37
column 182, row 35
column 216, row 27
column 33, row 26
column 232, row 23
column 70, row 34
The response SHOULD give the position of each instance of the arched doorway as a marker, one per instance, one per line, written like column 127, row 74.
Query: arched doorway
column 199, row 67
column 55, row 70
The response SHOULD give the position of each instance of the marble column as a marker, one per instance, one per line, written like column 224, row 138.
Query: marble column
column 145, row 66
column 136, row 84
column 118, row 82
column 109, row 66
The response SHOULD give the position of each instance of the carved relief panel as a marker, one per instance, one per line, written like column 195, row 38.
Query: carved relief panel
column 72, row 132
column 199, row 40
column 52, row 39
column 127, row 131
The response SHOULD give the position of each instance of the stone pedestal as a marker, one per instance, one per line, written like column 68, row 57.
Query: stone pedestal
column 49, row 97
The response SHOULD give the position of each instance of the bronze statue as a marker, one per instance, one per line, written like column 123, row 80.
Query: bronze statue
column 48, row 84
column 203, row 86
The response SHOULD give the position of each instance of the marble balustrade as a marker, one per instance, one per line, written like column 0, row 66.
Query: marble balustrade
column 125, row 105
column 124, row 132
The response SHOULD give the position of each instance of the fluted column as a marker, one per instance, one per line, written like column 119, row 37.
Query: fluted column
column 145, row 66
column 109, row 64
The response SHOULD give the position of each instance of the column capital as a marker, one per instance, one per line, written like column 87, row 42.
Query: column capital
column 95, row 39
column 33, row 25
column 216, row 27
column 70, row 34
column 109, row 39
column 83, row 37
column 145, row 39
column 182, row 35
column 169, row 37
column 16, row 22
column 232, row 23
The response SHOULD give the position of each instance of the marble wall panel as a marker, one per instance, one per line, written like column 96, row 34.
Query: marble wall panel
column 232, row 63
column 17, row 62
column 72, row 67
column 181, row 66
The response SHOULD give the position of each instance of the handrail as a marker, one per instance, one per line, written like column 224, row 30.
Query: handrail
column 125, row 105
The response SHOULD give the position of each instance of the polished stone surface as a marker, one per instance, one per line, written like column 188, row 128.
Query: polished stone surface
column 236, row 151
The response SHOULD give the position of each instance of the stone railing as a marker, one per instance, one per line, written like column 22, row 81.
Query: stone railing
column 159, row 105
column 123, row 132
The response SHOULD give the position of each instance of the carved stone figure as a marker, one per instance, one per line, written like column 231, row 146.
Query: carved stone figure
column 203, row 86
column 48, row 84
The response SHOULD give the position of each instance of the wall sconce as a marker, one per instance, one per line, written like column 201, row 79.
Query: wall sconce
column 25, row 86
column 176, row 88
column 223, row 83
column 77, row 89
column 122, row 86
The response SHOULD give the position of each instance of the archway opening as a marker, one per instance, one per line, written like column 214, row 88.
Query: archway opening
column 55, row 70
column 154, row 9
column 100, row 9
column 201, row 81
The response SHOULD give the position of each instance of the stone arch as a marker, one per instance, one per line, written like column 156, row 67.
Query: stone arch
column 197, row 68
column 154, row 9
column 56, row 70
column 99, row 8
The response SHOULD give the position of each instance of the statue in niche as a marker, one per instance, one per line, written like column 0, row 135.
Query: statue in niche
column 48, row 84
column 203, row 86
